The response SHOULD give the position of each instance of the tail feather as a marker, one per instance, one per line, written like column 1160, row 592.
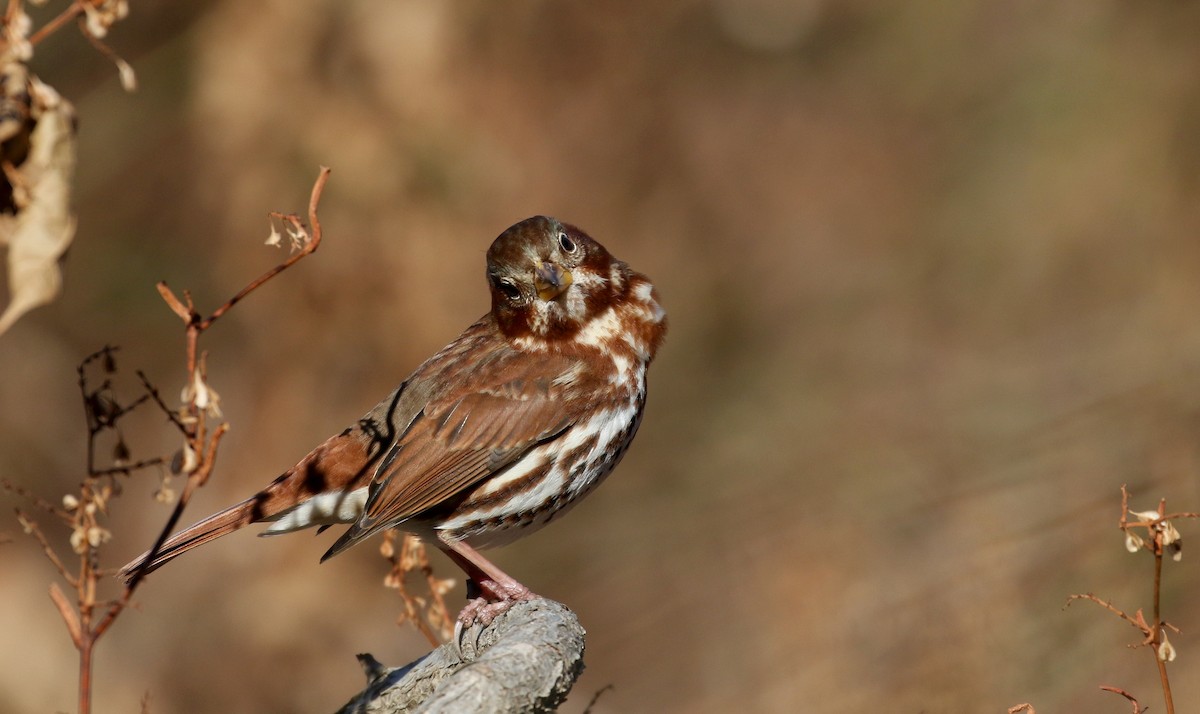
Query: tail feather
column 327, row 486
column 354, row 534
column 215, row 526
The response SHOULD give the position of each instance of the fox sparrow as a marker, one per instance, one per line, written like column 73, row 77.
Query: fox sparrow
column 499, row 433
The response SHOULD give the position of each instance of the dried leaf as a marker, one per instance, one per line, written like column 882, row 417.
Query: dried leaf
column 97, row 536
column 14, row 101
column 1166, row 651
column 16, row 36
column 120, row 455
column 184, row 461
column 43, row 226
column 128, row 77
column 204, row 397
column 79, row 540
column 1133, row 542
column 165, row 494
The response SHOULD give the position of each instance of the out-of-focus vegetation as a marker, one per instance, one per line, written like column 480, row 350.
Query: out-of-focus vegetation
column 933, row 275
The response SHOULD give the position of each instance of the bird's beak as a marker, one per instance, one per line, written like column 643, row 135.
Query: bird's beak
column 551, row 281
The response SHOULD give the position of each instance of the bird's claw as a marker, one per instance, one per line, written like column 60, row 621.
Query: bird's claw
column 484, row 610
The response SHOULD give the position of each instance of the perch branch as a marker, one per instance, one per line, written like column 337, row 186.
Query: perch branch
column 527, row 660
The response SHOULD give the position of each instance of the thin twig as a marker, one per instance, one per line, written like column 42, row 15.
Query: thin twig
column 1141, row 626
column 123, row 410
column 11, row 11
column 195, row 479
column 168, row 411
column 69, row 616
column 309, row 248
column 36, row 500
column 1137, row 708
column 57, row 23
column 138, row 466
column 36, row 531
column 596, row 697
column 1157, row 636
column 173, row 302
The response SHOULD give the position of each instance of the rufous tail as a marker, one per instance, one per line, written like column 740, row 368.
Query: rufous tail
column 215, row 526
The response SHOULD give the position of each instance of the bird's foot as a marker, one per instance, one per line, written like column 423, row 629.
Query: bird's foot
column 492, row 600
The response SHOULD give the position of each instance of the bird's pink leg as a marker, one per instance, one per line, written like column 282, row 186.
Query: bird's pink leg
column 499, row 589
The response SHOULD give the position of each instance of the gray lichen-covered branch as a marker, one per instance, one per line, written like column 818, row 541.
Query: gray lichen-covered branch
column 526, row 660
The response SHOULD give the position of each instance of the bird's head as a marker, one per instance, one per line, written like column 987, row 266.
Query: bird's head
column 548, row 279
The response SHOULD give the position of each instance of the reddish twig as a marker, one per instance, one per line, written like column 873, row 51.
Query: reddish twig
column 1137, row 708
column 68, row 613
column 36, row 500
column 34, row 530
column 1138, row 621
column 309, row 248
column 1157, row 637
column 75, row 10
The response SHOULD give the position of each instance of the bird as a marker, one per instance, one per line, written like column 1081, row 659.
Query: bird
column 500, row 432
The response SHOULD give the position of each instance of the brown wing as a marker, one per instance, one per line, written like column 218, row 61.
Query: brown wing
column 498, row 411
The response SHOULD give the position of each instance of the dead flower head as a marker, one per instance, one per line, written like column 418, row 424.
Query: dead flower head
column 203, row 396
column 1163, row 529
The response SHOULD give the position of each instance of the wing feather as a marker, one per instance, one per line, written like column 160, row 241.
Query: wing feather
column 495, row 412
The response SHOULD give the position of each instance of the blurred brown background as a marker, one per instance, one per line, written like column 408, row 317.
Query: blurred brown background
column 932, row 271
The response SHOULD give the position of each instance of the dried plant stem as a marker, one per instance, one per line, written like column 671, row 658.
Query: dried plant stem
column 193, row 426
column 195, row 480
column 309, row 248
column 73, row 11
column 1157, row 634
column 49, row 552
column 197, row 324
column 1137, row 708
column 85, row 644
column 1152, row 531
column 426, row 613
column 135, row 466
column 87, row 619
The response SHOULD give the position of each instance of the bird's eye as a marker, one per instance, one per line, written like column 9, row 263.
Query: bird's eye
column 565, row 241
column 509, row 289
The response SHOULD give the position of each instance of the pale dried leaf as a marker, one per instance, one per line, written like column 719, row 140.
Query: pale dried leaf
column 17, row 47
column 42, row 229
column 14, row 100
column 1166, row 651
column 128, row 77
column 1133, row 542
